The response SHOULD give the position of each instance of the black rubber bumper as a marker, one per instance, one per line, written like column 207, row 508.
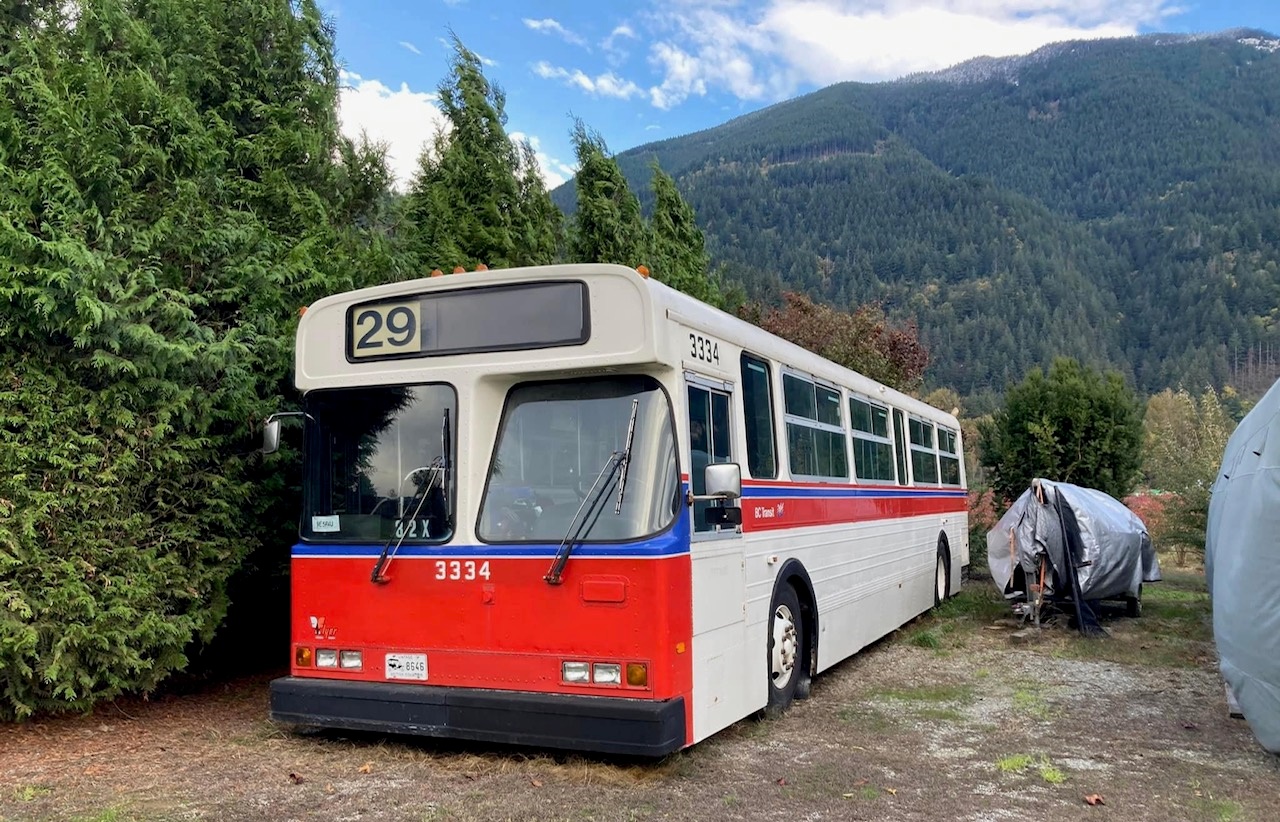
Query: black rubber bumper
column 583, row 723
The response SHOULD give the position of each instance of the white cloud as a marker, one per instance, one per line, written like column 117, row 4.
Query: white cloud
column 771, row 49
column 602, row 85
column 554, row 172
column 403, row 119
column 410, row 46
column 551, row 26
column 612, row 46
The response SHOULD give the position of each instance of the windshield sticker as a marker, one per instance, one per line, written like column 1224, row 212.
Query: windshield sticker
column 325, row 525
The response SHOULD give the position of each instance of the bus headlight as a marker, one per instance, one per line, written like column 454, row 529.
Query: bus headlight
column 575, row 671
column 326, row 658
column 606, row 673
column 351, row 660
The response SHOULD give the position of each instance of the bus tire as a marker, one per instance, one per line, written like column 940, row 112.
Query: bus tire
column 783, row 650
column 942, row 573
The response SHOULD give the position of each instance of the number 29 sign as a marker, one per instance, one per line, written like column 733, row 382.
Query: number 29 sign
column 385, row 329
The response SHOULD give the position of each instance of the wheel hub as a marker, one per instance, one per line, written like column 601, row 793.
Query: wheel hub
column 785, row 646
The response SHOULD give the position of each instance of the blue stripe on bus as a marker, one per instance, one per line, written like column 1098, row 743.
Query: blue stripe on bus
column 673, row 542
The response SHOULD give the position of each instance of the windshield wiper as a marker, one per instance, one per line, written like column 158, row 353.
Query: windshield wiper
column 438, row 469
column 581, row 524
column 626, row 456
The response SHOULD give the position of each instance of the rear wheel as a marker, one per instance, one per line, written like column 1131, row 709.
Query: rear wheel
column 786, row 639
column 941, row 576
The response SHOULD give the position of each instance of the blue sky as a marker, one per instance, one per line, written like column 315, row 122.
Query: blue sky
column 650, row 69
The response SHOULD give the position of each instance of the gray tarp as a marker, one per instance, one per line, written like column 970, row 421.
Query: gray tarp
column 1242, row 566
column 1112, row 557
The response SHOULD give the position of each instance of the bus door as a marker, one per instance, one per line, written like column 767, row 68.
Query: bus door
column 710, row 441
column 722, row 657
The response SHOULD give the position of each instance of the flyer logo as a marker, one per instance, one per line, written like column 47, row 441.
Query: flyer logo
column 323, row 631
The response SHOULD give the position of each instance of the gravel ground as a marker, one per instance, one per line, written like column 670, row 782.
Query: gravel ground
column 951, row 718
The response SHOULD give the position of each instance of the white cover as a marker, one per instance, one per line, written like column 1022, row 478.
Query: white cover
column 1242, row 567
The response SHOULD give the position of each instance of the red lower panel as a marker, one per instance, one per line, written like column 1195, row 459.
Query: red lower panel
column 509, row 631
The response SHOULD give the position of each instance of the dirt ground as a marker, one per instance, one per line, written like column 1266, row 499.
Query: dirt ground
column 951, row 718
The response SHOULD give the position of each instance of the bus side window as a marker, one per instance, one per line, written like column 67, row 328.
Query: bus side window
column 757, row 406
column 900, row 446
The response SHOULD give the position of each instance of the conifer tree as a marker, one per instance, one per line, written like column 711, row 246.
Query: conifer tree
column 608, row 227
column 169, row 191
column 465, row 199
column 677, row 250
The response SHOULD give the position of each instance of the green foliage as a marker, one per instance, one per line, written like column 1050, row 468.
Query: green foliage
column 677, row 253
column 1184, row 438
column 172, row 186
column 463, row 201
column 1017, row 216
column 607, row 226
column 1073, row 424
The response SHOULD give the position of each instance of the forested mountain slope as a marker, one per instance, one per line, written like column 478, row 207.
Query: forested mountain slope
column 1114, row 200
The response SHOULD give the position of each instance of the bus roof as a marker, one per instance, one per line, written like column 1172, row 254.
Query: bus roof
column 323, row 359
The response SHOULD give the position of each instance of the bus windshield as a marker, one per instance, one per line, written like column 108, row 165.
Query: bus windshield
column 370, row 452
column 554, row 439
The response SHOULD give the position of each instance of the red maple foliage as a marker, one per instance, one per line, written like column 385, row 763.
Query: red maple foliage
column 862, row 340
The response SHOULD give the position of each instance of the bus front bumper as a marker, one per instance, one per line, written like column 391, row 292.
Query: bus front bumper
column 586, row 723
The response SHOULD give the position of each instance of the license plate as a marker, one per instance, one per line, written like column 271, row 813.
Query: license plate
column 406, row 666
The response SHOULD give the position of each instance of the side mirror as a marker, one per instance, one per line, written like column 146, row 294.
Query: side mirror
column 271, row 435
column 723, row 480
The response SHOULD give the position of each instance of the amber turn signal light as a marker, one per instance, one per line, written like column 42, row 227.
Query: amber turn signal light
column 302, row 657
column 637, row 675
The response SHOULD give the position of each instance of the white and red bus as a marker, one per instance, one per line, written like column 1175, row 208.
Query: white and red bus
column 571, row 507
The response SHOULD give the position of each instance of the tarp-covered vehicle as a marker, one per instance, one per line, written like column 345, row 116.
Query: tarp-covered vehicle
column 1242, row 567
column 1060, row 543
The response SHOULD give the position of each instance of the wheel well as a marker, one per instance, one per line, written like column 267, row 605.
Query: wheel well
column 793, row 573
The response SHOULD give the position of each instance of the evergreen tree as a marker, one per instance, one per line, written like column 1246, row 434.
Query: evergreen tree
column 608, row 227
column 677, row 250
column 169, row 187
column 1073, row 425
column 465, row 200
column 539, row 225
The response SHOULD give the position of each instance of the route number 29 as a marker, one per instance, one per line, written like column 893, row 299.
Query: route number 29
column 386, row 328
column 458, row 569
column 704, row 348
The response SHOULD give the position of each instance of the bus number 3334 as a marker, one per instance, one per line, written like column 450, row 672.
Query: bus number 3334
column 458, row 569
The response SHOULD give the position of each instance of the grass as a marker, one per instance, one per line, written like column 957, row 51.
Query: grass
column 30, row 793
column 962, row 693
column 1028, row 701
column 865, row 717
column 1219, row 810
column 1018, row 763
column 925, row 639
column 1174, row 631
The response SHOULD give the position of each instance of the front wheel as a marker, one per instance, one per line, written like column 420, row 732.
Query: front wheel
column 786, row 639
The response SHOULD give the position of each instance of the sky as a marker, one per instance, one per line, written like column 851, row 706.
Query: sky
column 648, row 70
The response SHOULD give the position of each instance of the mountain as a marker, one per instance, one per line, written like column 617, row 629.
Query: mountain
column 1114, row 200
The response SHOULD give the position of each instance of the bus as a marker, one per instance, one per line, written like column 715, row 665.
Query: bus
column 570, row 507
